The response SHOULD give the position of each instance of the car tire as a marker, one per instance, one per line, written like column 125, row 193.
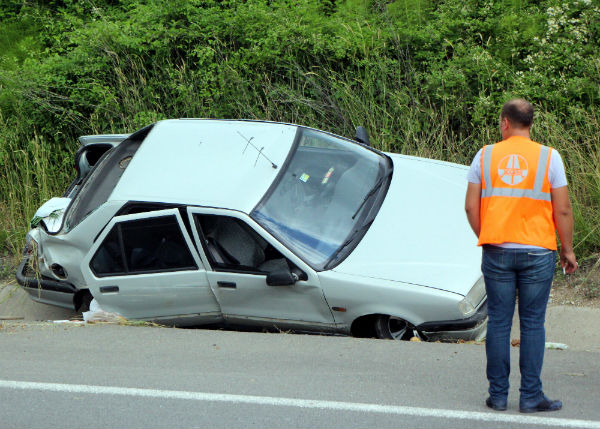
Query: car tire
column 392, row 328
column 82, row 300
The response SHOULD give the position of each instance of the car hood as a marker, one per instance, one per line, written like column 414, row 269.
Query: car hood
column 421, row 234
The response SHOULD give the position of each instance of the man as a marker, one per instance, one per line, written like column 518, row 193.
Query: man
column 516, row 198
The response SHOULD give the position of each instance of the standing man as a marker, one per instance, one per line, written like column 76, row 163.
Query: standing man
column 517, row 196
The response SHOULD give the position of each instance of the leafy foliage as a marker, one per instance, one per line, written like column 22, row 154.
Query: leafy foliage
column 425, row 77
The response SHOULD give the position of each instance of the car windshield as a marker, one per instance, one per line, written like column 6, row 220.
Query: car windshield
column 322, row 197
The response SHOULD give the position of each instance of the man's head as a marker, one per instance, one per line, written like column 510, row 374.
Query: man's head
column 516, row 118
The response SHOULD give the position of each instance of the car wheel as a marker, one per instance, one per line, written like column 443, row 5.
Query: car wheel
column 82, row 300
column 392, row 328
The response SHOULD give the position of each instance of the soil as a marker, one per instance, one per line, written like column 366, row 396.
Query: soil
column 581, row 289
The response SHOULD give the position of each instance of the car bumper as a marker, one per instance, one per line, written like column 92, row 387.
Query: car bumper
column 473, row 328
column 43, row 289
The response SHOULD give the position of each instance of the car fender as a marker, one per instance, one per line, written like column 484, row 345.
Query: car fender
column 351, row 297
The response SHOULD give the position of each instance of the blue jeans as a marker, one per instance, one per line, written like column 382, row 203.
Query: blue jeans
column 528, row 273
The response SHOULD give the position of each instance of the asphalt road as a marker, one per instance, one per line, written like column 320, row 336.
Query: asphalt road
column 55, row 375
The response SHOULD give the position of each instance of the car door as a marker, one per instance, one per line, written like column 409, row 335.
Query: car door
column 145, row 266
column 238, row 273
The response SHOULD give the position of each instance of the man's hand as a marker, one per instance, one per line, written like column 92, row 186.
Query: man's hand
column 568, row 260
column 563, row 219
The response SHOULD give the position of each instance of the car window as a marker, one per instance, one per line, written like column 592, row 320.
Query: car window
column 322, row 196
column 232, row 245
column 100, row 182
column 85, row 158
column 141, row 246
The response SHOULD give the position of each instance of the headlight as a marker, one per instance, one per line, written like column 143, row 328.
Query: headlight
column 470, row 302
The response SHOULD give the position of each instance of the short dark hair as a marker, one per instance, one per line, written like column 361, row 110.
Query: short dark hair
column 518, row 111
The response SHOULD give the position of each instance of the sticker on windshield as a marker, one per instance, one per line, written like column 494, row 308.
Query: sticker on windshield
column 327, row 176
column 304, row 177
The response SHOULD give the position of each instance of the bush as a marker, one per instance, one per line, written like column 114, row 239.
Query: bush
column 425, row 77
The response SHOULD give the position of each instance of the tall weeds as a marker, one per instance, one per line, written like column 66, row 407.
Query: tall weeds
column 29, row 176
column 35, row 169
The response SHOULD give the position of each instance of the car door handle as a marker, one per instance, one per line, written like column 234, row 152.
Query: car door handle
column 109, row 289
column 229, row 285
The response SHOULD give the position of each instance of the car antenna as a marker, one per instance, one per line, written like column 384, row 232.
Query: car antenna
column 260, row 151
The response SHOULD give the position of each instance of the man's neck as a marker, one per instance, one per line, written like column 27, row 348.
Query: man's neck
column 514, row 132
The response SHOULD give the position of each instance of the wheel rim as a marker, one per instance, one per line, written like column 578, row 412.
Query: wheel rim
column 397, row 328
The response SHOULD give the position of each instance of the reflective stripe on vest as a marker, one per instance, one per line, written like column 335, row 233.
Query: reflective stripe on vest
column 536, row 193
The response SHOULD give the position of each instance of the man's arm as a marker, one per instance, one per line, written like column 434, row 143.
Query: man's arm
column 472, row 206
column 563, row 219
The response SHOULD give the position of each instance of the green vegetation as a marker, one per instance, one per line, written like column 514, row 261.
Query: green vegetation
column 425, row 77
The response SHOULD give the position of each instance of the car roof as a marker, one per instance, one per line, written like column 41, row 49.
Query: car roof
column 217, row 163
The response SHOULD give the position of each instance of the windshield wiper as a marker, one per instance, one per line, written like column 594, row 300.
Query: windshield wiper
column 348, row 241
column 371, row 192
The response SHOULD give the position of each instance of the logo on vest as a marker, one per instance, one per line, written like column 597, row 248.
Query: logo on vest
column 512, row 169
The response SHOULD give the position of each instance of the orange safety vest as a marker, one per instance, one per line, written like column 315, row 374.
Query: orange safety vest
column 515, row 194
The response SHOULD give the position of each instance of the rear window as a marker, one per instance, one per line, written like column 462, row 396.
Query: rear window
column 143, row 246
column 101, row 181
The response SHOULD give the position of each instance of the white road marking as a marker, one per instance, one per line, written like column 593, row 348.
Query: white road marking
column 303, row 403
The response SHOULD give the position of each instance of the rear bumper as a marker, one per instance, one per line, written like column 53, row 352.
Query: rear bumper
column 43, row 289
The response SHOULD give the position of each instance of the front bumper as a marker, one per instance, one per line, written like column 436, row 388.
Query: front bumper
column 471, row 328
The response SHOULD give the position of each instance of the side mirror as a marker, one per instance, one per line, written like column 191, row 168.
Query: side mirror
column 281, row 278
column 362, row 136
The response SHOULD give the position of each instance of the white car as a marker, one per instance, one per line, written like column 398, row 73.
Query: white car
column 197, row 221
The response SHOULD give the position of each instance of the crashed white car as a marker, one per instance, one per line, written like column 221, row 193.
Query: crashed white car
column 196, row 221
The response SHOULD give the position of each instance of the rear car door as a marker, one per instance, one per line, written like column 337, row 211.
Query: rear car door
column 240, row 254
column 145, row 266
